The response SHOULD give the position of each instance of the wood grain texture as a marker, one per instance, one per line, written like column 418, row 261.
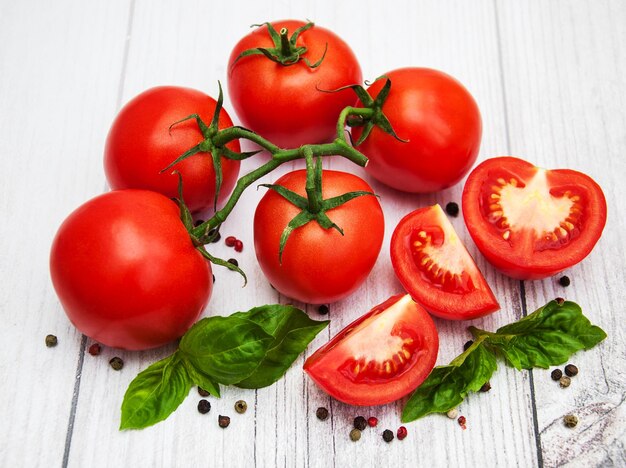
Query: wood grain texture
column 549, row 80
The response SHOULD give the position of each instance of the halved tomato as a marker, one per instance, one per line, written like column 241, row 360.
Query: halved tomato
column 380, row 357
column 436, row 269
column 530, row 222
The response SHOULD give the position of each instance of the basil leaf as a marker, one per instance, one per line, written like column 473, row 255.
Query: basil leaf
column 228, row 349
column 206, row 382
column 447, row 386
column 155, row 393
column 292, row 330
column 547, row 337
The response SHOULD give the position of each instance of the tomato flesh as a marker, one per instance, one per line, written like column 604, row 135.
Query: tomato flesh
column 380, row 357
column 436, row 269
column 531, row 222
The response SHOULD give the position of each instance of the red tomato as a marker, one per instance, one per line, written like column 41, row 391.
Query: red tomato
column 126, row 271
column 441, row 122
column 285, row 104
column 380, row 357
column 140, row 145
column 436, row 269
column 319, row 265
column 530, row 222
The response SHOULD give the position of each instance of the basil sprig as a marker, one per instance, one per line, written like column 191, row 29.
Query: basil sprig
column 249, row 349
column 547, row 337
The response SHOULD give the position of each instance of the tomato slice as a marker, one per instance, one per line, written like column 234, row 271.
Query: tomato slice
column 380, row 357
column 436, row 269
column 530, row 222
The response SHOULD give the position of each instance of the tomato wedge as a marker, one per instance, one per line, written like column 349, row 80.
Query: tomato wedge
column 530, row 222
column 380, row 357
column 436, row 269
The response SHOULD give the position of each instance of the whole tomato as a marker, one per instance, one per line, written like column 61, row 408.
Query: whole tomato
column 285, row 103
column 126, row 271
column 319, row 265
column 441, row 123
column 140, row 144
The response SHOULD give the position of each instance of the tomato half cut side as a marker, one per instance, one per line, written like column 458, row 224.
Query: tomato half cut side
column 436, row 269
column 380, row 357
column 531, row 222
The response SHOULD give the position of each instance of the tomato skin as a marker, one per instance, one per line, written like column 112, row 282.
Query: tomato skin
column 458, row 291
column 524, row 254
column 319, row 265
column 126, row 271
column 285, row 104
column 400, row 319
column 140, row 144
column 441, row 122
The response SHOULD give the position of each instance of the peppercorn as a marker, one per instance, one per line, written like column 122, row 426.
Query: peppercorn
column 571, row 370
column 241, row 406
column 402, row 433
column 360, row 423
column 372, row 421
column 51, row 341
column 230, row 241
column 223, row 421
column 467, row 345
column 323, row 309
column 214, row 235
column 238, row 246
column 387, row 435
column 565, row 381
column 232, row 261
column 570, row 420
column 556, row 374
column 453, row 413
column 95, row 349
column 321, row 413
column 203, row 392
column 462, row 422
column 116, row 363
column 204, row 406
column 559, row 300
column 486, row 387
column 564, row 281
column 355, row 435
column 214, row 278
column 198, row 222
column 452, row 209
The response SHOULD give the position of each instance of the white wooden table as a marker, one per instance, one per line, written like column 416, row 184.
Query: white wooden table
column 550, row 80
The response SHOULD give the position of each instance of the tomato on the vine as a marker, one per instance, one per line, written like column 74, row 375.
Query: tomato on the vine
column 530, row 222
column 380, row 357
column 441, row 123
column 140, row 144
column 287, row 103
column 126, row 271
column 319, row 265
column 436, row 269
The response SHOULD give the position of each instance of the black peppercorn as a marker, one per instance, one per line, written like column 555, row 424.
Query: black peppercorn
column 214, row 278
column 360, row 423
column 452, row 209
column 387, row 435
column 571, row 370
column 232, row 261
column 467, row 345
column 51, row 341
column 198, row 222
column 215, row 236
column 203, row 392
column 323, row 309
column 223, row 421
column 486, row 387
column 570, row 420
column 560, row 300
column 116, row 363
column 204, row 406
column 564, row 281
column 556, row 374
column 241, row 406
column 321, row 413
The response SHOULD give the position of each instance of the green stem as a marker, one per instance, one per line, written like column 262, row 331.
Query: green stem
column 285, row 46
column 313, row 196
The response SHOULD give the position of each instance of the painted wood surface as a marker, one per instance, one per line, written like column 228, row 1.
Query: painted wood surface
column 550, row 80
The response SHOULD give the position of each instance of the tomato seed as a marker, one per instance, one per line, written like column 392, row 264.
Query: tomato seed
column 570, row 420
column 321, row 413
column 204, row 406
column 203, row 392
column 95, row 349
column 360, row 423
column 452, row 209
column 355, row 435
column 564, row 281
column 51, row 341
column 238, row 246
column 223, row 421
column 230, row 241
column 116, row 363
column 387, row 435
column 402, row 433
column 556, row 374
column 571, row 370
column 372, row 421
column 323, row 309
column 241, row 406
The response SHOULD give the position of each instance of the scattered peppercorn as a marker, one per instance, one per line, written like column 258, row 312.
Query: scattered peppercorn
column 204, row 406
column 462, row 421
column 467, row 345
column 203, row 392
column 372, row 421
column 232, row 261
column 323, row 309
column 214, row 278
column 564, row 281
column 223, row 421
column 453, row 413
column 360, row 423
column 402, row 433
column 571, row 370
column 230, row 241
column 238, row 246
column 241, row 406
column 198, row 221
column 560, row 300
column 51, row 341
column 355, row 435
column 95, row 349
column 387, row 435
column 321, row 413
column 452, row 209
column 565, row 381
column 486, row 387
column 556, row 374
column 214, row 235
column 570, row 420
column 116, row 363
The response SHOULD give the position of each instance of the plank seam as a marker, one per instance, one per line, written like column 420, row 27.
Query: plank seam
column 77, row 380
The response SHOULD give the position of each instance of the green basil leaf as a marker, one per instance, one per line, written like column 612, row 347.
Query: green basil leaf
column 206, row 382
column 547, row 337
column 292, row 330
column 155, row 393
column 447, row 386
column 228, row 349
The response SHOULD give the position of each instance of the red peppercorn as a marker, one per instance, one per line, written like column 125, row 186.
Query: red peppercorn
column 402, row 433
column 372, row 421
column 462, row 422
column 95, row 349
column 230, row 241
column 238, row 246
